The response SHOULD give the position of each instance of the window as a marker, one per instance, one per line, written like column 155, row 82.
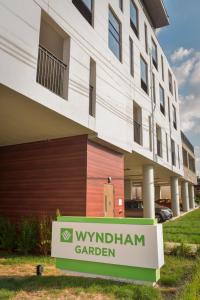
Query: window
column 154, row 54
column 159, row 140
column 162, row 100
column 173, row 152
column 134, row 18
column 185, row 158
column 175, row 91
column 137, row 121
column 85, row 7
column 114, row 35
column 150, row 133
column 162, row 66
column 121, row 4
column 92, row 88
column 170, row 82
column 144, row 74
column 167, row 147
column 153, row 88
column 174, row 117
column 146, row 38
column 169, row 112
column 131, row 56
column 191, row 163
column 179, row 163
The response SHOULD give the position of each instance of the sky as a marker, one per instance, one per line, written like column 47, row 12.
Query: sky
column 181, row 43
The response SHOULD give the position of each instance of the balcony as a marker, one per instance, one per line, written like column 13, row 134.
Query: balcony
column 137, row 133
column 51, row 72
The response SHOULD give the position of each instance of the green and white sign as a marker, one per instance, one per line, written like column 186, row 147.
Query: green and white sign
column 105, row 246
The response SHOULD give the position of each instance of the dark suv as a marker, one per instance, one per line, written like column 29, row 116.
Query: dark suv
column 134, row 209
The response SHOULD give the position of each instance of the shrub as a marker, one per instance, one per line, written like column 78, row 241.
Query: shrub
column 7, row 234
column 27, row 238
column 45, row 228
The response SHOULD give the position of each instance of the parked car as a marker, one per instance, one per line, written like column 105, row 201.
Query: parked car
column 167, row 203
column 134, row 209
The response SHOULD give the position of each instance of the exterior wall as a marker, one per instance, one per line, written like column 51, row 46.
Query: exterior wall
column 38, row 178
column 101, row 164
column 67, row 174
column 116, row 89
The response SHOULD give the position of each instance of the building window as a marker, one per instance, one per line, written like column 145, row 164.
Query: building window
column 167, row 147
column 150, row 133
column 174, row 117
column 137, row 121
column 162, row 100
column 146, row 38
column 169, row 111
column 144, row 74
column 153, row 88
column 159, row 140
column 175, row 91
column 179, row 163
column 92, row 88
column 131, row 56
column 185, row 158
column 121, row 4
column 173, row 152
column 191, row 163
column 170, row 82
column 85, row 7
column 114, row 35
column 134, row 17
column 162, row 66
column 154, row 54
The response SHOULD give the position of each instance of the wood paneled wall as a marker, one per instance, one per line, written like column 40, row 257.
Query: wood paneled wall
column 37, row 178
column 66, row 174
column 101, row 164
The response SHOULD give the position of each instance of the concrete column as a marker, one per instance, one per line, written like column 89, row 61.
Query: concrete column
column 191, row 196
column 157, row 192
column 185, row 196
column 128, row 189
column 175, row 196
column 148, row 191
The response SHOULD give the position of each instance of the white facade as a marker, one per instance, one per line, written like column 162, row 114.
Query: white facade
column 116, row 88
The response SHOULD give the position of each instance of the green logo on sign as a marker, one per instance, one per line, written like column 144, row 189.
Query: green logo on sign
column 66, row 235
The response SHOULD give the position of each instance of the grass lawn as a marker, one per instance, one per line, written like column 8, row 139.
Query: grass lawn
column 185, row 229
column 18, row 281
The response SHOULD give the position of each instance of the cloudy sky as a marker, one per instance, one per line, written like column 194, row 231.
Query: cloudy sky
column 181, row 43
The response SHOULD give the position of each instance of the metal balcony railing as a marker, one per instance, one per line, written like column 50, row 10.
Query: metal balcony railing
column 137, row 132
column 51, row 71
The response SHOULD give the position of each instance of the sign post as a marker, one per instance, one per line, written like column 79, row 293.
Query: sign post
column 129, row 250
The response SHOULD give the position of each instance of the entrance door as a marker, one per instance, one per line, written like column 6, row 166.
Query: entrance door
column 108, row 200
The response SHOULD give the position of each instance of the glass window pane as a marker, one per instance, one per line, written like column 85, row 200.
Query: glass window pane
column 133, row 13
column 143, row 66
column 88, row 3
column 114, row 35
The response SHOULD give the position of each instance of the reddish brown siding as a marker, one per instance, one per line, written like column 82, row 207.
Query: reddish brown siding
column 103, row 163
column 37, row 178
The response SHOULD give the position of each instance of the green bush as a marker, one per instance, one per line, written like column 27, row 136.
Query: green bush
column 27, row 237
column 45, row 228
column 7, row 234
